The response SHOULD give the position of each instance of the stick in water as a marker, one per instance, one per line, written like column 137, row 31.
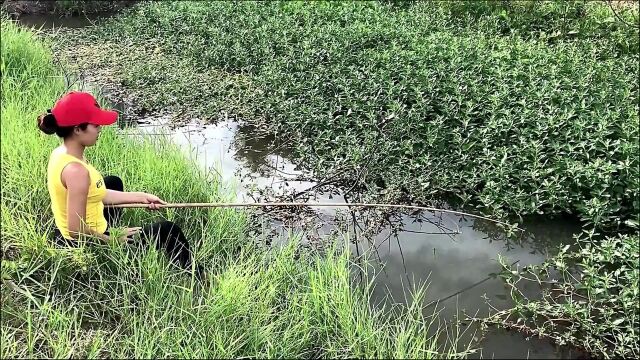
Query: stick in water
column 229, row 205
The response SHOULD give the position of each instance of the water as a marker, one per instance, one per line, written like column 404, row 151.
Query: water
column 449, row 252
column 460, row 262
column 465, row 263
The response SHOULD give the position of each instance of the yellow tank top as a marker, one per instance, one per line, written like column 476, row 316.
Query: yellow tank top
column 94, row 216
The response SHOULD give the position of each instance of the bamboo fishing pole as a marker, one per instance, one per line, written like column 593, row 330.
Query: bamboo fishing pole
column 281, row 204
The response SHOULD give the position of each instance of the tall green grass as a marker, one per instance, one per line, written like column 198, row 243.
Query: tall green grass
column 107, row 300
column 515, row 107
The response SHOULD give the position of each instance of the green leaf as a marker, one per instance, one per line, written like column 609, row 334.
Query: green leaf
column 632, row 223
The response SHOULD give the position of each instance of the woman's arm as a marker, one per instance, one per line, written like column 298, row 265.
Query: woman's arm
column 115, row 197
column 76, row 179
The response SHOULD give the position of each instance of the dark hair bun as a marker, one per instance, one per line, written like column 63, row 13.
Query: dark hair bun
column 47, row 123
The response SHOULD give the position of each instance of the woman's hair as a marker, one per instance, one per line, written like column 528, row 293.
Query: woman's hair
column 48, row 125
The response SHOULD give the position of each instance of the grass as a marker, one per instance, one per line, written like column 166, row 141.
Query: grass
column 513, row 107
column 111, row 301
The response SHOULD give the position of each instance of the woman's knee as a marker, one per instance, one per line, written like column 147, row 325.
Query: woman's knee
column 168, row 235
column 113, row 182
column 163, row 230
column 167, row 227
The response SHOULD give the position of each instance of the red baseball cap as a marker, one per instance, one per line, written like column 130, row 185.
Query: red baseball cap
column 78, row 107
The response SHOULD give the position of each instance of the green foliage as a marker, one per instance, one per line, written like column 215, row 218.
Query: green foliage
column 590, row 297
column 516, row 107
column 551, row 20
column 86, row 6
column 111, row 301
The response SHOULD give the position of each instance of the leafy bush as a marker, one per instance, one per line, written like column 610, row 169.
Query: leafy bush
column 590, row 297
column 514, row 107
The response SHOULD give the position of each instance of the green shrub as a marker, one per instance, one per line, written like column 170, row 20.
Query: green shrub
column 514, row 107
column 87, row 6
column 590, row 297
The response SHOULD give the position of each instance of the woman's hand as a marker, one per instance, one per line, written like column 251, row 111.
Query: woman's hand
column 152, row 200
column 128, row 233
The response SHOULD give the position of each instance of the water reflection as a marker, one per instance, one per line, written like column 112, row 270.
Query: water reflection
column 458, row 261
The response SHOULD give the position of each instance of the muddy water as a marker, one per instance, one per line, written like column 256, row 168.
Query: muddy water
column 456, row 256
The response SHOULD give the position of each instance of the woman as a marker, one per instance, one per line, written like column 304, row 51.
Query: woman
column 79, row 192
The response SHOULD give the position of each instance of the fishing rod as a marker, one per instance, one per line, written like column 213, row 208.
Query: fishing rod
column 284, row 204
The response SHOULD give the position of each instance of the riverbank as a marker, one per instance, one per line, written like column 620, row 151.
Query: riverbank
column 109, row 301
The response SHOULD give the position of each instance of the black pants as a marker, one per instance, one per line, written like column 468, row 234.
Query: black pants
column 165, row 234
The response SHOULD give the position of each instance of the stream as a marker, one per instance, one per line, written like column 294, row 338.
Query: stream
column 456, row 256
